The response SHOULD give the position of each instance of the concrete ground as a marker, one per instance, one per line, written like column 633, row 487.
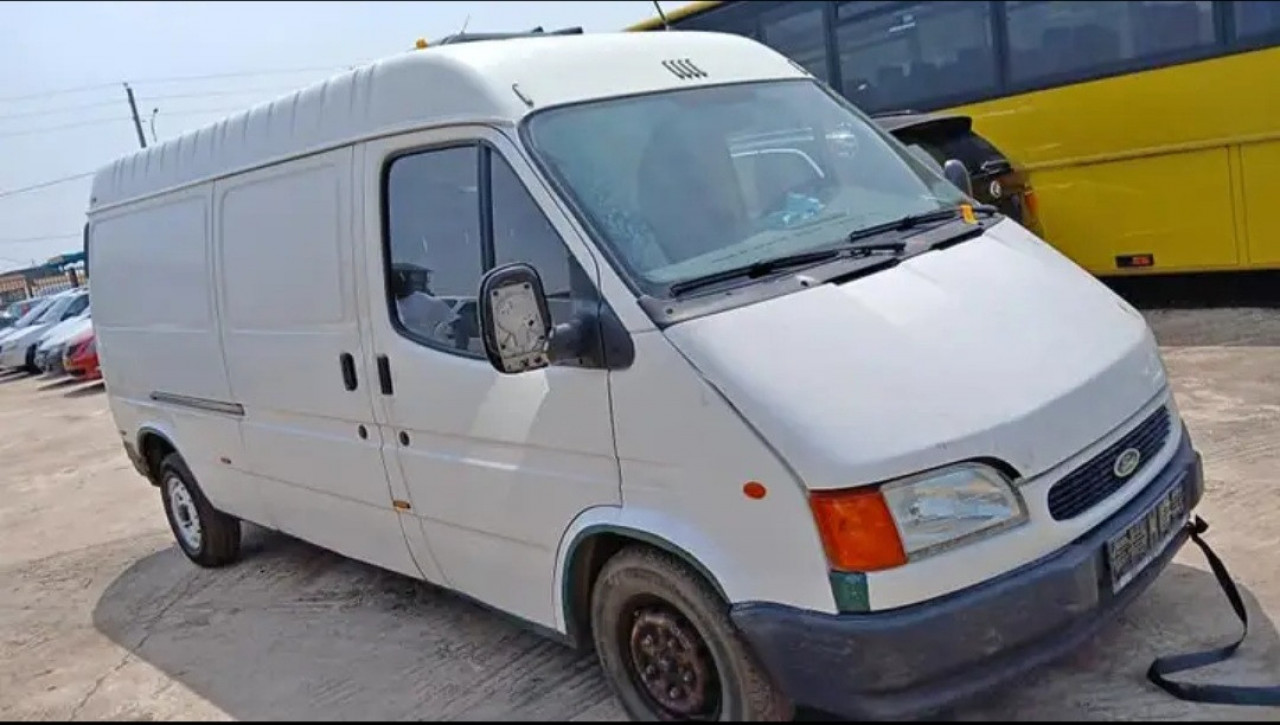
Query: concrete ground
column 102, row 617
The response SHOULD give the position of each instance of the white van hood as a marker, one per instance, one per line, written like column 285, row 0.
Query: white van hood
column 998, row 347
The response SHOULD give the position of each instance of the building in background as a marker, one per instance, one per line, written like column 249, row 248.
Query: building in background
column 58, row 273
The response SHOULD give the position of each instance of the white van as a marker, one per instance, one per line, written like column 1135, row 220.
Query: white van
column 850, row 442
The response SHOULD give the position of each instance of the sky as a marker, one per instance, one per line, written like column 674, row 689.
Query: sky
column 64, row 112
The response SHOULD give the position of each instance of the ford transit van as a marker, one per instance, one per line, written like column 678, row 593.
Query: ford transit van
column 530, row 319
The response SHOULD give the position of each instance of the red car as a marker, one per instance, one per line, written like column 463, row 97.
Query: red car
column 80, row 359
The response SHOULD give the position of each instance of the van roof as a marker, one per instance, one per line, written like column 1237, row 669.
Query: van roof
column 470, row 82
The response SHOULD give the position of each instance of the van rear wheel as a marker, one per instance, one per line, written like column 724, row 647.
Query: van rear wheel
column 668, row 648
column 207, row 536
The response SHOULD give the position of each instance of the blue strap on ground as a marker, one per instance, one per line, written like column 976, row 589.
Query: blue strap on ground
column 1220, row 694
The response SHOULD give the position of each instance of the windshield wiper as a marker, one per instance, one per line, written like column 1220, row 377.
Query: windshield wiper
column 853, row 246
column 756, row 269
column 911, row 221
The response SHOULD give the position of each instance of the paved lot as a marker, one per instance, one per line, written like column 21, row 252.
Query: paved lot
column 102, row 617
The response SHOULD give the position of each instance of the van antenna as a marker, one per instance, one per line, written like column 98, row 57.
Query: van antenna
column 466, row 21
column 665, row 25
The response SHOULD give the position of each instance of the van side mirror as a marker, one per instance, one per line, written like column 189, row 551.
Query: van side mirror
column 955, row 172
column 515, row 322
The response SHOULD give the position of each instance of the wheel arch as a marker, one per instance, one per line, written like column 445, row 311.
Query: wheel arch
column 154, row 444
column 590, row 546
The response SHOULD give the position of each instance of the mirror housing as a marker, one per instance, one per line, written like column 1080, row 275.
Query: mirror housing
column 956, row 172
column 515, row 322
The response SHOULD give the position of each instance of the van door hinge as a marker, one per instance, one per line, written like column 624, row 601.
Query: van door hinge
column 399, row 505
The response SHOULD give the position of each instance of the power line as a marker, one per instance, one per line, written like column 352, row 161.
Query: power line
column 175, row 79
column 55, row 111
column 33, row 240
column 149, row 98
column 117, row 119
column 77, row 124
column 242, row 74
column 60, row 92
column 244, row 92
column 44, row 184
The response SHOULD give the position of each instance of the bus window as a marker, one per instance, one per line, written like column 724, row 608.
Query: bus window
column 800, row 36
column 1072, row 41
column 1256, row 18
column 916, row 54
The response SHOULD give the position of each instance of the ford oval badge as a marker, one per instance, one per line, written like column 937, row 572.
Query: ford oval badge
column 1127, row 462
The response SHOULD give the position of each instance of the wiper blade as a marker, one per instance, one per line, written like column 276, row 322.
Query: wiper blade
column 853, row 246
column 910, row 222
column 756, row 269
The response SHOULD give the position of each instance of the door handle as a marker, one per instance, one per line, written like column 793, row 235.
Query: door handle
column 384, row 374
column 348, row 365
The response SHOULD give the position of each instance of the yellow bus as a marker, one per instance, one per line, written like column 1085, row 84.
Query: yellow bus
column 1150, row 128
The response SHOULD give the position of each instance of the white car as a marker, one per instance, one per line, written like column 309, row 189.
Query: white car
column 34, row 310
column 18, row 348
column 853, row 441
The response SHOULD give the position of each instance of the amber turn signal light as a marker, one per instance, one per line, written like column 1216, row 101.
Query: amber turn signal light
column 857, row 530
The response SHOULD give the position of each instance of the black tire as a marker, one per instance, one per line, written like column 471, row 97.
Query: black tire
column 218, row 542
column 30, row 365
column 646, row 597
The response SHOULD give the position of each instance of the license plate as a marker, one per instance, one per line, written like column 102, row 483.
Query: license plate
column 1130, row 551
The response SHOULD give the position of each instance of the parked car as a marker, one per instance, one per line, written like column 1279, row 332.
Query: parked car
column 18, row 348
column 80, row 356
column 996, row 179
column 53, row 343
column 34, row 310
column 21, row 307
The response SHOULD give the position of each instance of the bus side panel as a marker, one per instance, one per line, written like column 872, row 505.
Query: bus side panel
column 1140, row 147
column 157, row 335
column 1175, row 207
column 1261, row 167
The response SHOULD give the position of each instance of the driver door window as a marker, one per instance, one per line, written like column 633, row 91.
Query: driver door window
column 434, row 234
column 441, row 244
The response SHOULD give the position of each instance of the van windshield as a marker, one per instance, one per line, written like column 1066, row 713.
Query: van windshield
column 682, row 184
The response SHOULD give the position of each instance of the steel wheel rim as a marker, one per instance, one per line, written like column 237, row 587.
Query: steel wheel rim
column 186, row 518
column 670, row 663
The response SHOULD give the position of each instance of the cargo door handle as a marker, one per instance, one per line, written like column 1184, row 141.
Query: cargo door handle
column 348, row 365
column 384, row 374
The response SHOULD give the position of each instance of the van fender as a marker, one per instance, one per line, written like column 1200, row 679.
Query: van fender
column 161, row 429
column 661, row 529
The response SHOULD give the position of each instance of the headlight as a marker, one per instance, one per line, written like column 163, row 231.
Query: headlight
column 940, row 510
column 869, row 528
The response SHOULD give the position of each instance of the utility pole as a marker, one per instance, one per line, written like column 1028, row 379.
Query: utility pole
column 137, row 122
column 658, row 7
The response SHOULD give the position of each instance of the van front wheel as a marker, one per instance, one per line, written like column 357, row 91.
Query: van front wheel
column 667, row 646
column 207, row 536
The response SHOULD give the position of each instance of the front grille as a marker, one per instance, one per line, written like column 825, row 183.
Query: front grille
column 1094, row 481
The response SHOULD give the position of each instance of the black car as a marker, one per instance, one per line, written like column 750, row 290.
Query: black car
column 996, row 179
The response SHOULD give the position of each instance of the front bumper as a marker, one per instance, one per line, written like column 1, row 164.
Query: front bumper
column 918, row 659
column 49, row 360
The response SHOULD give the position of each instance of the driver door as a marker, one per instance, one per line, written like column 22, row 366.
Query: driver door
column 493, row 467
